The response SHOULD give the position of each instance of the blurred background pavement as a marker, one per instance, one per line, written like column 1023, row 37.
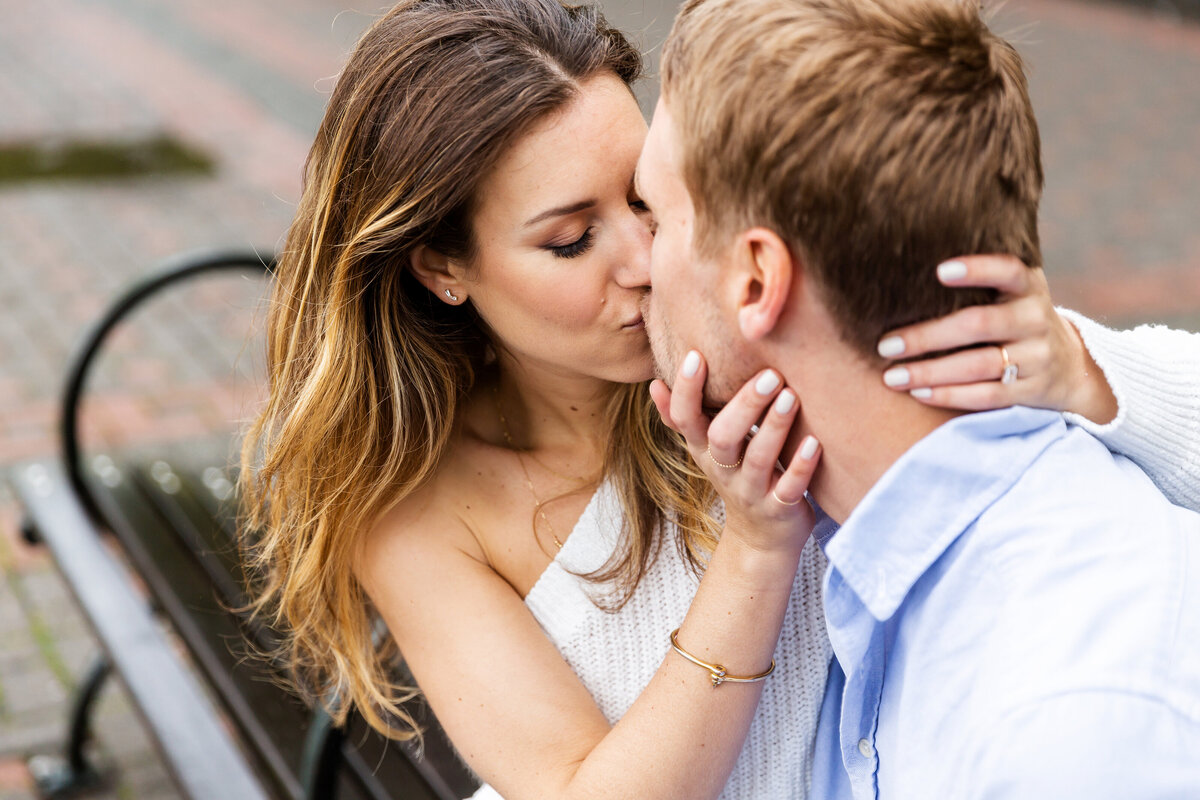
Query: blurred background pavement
column 1117, row 90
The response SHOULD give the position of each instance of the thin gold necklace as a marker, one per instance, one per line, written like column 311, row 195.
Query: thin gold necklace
column 541, row 511
column 508, row 438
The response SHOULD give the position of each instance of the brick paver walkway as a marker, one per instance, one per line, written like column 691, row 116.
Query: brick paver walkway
column 1118, row 98
column 243, row 81
column 1118, row 101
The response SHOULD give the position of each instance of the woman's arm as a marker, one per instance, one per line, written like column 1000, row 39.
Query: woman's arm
column 514, row 708
column 1137, row 391
column 1154, row 375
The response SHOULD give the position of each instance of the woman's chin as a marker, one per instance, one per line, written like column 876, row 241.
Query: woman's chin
column 640, row 370
column 636, row 368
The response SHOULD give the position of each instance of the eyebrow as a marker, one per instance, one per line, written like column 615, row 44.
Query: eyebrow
column 561, row 211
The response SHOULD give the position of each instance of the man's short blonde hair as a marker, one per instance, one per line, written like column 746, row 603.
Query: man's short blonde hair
column 876, row 137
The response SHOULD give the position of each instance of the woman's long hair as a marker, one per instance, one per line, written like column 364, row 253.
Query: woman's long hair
column 367, row 370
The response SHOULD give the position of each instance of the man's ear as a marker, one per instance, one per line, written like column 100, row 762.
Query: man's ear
column 438, row 274
column 765, row 274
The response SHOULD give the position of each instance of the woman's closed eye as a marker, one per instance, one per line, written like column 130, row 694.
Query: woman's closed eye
column 575, row 248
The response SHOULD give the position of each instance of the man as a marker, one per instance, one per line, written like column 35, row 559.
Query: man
column 1015, row 611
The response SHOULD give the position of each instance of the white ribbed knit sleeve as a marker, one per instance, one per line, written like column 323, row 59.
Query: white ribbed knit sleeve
column 1154, row 372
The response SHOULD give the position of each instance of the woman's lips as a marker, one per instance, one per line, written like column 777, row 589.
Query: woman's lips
column 636, row 324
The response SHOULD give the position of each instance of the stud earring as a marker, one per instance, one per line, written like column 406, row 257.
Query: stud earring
column 453, row 297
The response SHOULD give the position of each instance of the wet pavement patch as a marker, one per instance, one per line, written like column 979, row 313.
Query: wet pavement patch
column 55, row 159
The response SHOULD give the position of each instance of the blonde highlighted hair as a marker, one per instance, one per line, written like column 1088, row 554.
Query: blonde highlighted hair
column 368, row 371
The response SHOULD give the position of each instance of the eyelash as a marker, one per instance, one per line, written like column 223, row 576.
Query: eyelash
column 584, row 243
column 575, row 248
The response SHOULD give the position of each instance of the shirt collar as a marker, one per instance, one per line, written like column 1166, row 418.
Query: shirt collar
column 933, row 493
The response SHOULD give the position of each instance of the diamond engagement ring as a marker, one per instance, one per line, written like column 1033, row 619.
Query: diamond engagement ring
column 1008, row 372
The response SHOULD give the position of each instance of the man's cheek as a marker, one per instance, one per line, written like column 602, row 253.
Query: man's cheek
column 666, row 275
column 657, row 258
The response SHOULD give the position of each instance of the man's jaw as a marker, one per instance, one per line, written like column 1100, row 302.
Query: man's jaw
column 668, row 356
column 666, row 364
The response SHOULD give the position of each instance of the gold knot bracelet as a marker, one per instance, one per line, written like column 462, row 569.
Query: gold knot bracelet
column 718, row 673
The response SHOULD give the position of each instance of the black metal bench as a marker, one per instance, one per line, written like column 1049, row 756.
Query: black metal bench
column 176, row 524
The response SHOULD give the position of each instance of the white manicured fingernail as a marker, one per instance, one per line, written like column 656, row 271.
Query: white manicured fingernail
column 897, row 376
column 891, row 347
column 952, row 271
column 808, row 448
column 923, row 393
column 691, row 363
column 767, row 382
column 785, row 401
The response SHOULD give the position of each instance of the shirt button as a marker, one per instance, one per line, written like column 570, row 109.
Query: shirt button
column 865, row 748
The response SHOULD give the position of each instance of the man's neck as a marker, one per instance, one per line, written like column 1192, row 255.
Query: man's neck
column 863, row 426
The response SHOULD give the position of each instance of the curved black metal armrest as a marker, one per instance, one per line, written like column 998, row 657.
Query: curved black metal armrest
column 174, row 271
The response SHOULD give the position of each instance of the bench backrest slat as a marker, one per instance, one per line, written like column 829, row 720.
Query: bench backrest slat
column 204, row 760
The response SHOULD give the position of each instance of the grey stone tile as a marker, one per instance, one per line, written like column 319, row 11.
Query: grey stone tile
column 31, row 734
column 36, row 691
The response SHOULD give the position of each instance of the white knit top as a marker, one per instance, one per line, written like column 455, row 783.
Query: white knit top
column 616, row 654
column 1155, row 375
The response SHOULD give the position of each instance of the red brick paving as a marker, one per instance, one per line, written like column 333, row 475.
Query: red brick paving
column 1118, row 102
column 14, row 775
column 1156, row 31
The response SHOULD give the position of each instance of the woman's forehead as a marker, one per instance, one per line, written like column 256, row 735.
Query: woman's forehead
column 588, row 148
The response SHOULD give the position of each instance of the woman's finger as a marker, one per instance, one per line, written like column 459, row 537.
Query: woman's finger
column 984, row 363
column 1001, row 322
column 983, row 396
column 793, row 483
column 728, row 430
column 1025, row 303
column 1006, row 274
column 966, row 366
column 761, row 459
column 687, row 400
column 661, row 395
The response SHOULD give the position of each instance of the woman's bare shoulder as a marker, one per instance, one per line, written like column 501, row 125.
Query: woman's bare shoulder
column 443, row 517
column 427, row 517
column 475, row 512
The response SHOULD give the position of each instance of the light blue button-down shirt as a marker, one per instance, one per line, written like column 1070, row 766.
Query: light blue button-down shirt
column 1015, row 613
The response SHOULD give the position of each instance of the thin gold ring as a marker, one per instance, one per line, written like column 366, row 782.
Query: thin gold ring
column 1008, row 370
column 794, row 503
column 708, row 449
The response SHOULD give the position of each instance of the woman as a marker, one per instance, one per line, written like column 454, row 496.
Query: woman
column 459, row 442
